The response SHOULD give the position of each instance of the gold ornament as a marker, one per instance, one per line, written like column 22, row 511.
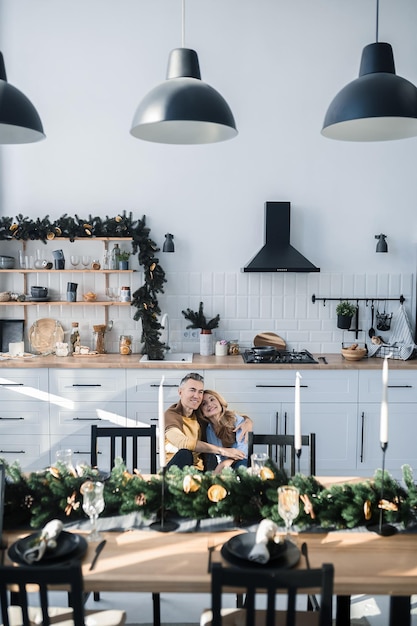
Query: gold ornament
column 191, row 483
column 13, row 227
column 58, row 231
column 367, row 510
column 118, row 218
column 266, row 473
column 50, row 236
column 216, row 493
column 72, row 504
column 87, row 487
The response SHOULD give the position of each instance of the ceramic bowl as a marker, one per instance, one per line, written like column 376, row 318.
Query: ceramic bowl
column 39, row 292
column 6, row 262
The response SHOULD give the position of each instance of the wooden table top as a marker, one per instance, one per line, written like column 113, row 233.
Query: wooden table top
column 142, row 560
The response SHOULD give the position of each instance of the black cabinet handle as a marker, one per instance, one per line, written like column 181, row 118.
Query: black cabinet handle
column 164, row 386
column 12, row 385
column 280, row 386
column 81, row 385
column 362, row 435
column 86, row 419
column 10, row 419
column 12, row 451
column 400, row 386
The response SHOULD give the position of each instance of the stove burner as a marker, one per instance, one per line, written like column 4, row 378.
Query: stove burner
column 279, row 356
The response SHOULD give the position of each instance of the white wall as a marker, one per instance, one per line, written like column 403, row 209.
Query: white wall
column 279, row 63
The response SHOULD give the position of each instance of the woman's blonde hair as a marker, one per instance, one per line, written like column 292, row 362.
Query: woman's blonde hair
column 227, row 422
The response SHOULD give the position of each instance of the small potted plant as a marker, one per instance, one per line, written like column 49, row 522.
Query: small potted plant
column 345, row 311
column 123, row 259
column 199, row 320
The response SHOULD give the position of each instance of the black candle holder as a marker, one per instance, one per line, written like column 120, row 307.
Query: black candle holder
column 298, row 455
column 162, row 525
column 385, row 530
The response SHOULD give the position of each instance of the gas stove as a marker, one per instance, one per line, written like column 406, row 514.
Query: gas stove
column 304, row 357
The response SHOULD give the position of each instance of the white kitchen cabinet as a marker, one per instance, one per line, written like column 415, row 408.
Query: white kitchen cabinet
column 402, row 421
column 328, row 408
column 24, row 417
column 401, row 448
column 80, row 398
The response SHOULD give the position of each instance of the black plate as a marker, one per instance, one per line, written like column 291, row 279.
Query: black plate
column 35, row 299
column 70, row 546
column 236, row 551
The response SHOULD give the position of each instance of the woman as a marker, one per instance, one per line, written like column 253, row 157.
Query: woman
column 223, row 428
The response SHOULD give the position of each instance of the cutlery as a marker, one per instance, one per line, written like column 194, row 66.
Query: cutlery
column 312, row 599
column 97, row 554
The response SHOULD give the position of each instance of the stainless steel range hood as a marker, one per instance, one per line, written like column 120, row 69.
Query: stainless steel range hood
column 278, row 255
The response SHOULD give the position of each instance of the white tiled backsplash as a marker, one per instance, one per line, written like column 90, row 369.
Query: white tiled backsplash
column 248, row 303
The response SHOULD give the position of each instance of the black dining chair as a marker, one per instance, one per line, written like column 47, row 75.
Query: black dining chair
column 125, row 442
column 281, row 449
column 29, row 603
column 2, row 494
column 136, row 445
column 260, row 584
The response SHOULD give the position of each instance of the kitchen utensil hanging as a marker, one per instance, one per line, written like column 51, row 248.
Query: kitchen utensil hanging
column 372, row 331
column 383, row 320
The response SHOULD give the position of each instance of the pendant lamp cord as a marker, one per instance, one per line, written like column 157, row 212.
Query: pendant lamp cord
column 377, row 19
column 183, row 25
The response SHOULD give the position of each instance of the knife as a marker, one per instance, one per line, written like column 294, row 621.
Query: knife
column 97, row 554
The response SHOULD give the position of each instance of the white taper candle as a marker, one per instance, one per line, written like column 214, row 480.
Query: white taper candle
column 297, row 413
column 161, row 423
column 383, row 433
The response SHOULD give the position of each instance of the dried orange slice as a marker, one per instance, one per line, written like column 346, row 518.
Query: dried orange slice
column 266, row 473
column 87, row 487
column 216, row 493
column 191, row 483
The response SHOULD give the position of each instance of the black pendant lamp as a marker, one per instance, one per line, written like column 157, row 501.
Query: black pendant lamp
column 377, row 106
column 19, row 120
column 183, row 109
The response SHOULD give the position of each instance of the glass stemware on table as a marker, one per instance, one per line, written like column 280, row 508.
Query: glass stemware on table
column 75, row 260
column 93, row 505
column 86, row 260
column 288, row 505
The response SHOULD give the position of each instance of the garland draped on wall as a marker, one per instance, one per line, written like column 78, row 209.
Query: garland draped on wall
column 123, row 225
column 33, row 499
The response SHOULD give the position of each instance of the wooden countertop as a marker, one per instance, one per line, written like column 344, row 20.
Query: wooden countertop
column 117, row 361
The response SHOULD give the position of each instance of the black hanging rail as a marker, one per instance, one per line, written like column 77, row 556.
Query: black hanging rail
column 401, row 299
column 357, row 330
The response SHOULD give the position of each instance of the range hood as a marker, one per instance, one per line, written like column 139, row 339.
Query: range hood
column 278, row 255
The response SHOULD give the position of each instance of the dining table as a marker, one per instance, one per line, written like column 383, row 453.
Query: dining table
column 145, row 560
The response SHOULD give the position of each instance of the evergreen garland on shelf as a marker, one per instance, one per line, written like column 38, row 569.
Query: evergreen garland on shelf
column 123, row 225
column 33, row 499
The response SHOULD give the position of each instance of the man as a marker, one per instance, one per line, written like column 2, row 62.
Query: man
column 185, row 435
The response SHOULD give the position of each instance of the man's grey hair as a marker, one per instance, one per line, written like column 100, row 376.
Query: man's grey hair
column 192, row 376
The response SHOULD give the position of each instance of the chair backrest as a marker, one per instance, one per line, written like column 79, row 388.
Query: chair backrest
column 40, row 580
column 129, row 443
column 281, row 449
column 268, row 583
column 2, row 490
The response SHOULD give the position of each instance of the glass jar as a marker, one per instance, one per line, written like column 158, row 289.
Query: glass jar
column 99, row 338
column 124, row 294
column 125, row 344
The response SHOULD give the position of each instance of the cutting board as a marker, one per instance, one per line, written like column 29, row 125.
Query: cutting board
column 270, row 339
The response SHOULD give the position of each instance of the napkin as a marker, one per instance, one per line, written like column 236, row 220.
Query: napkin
column 47, row 539
column 266, row 532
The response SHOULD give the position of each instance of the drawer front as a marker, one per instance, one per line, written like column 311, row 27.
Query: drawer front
column 27, row 417
column 82, row 415
column 143, row 386
column 24, row 385
column 279, row 386
column 402, row 386
column 31, row 452
column 87, row 385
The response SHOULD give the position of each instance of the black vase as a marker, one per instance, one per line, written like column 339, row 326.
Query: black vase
column 344, row 321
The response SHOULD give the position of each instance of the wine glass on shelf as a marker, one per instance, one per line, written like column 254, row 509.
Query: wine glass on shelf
column 111, row 292
column 75, row 260
column 288, row 505
column 93, row 505
column 85, row 260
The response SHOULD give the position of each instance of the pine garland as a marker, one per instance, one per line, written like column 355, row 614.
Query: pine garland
column 56, row 492
column 123, row 225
